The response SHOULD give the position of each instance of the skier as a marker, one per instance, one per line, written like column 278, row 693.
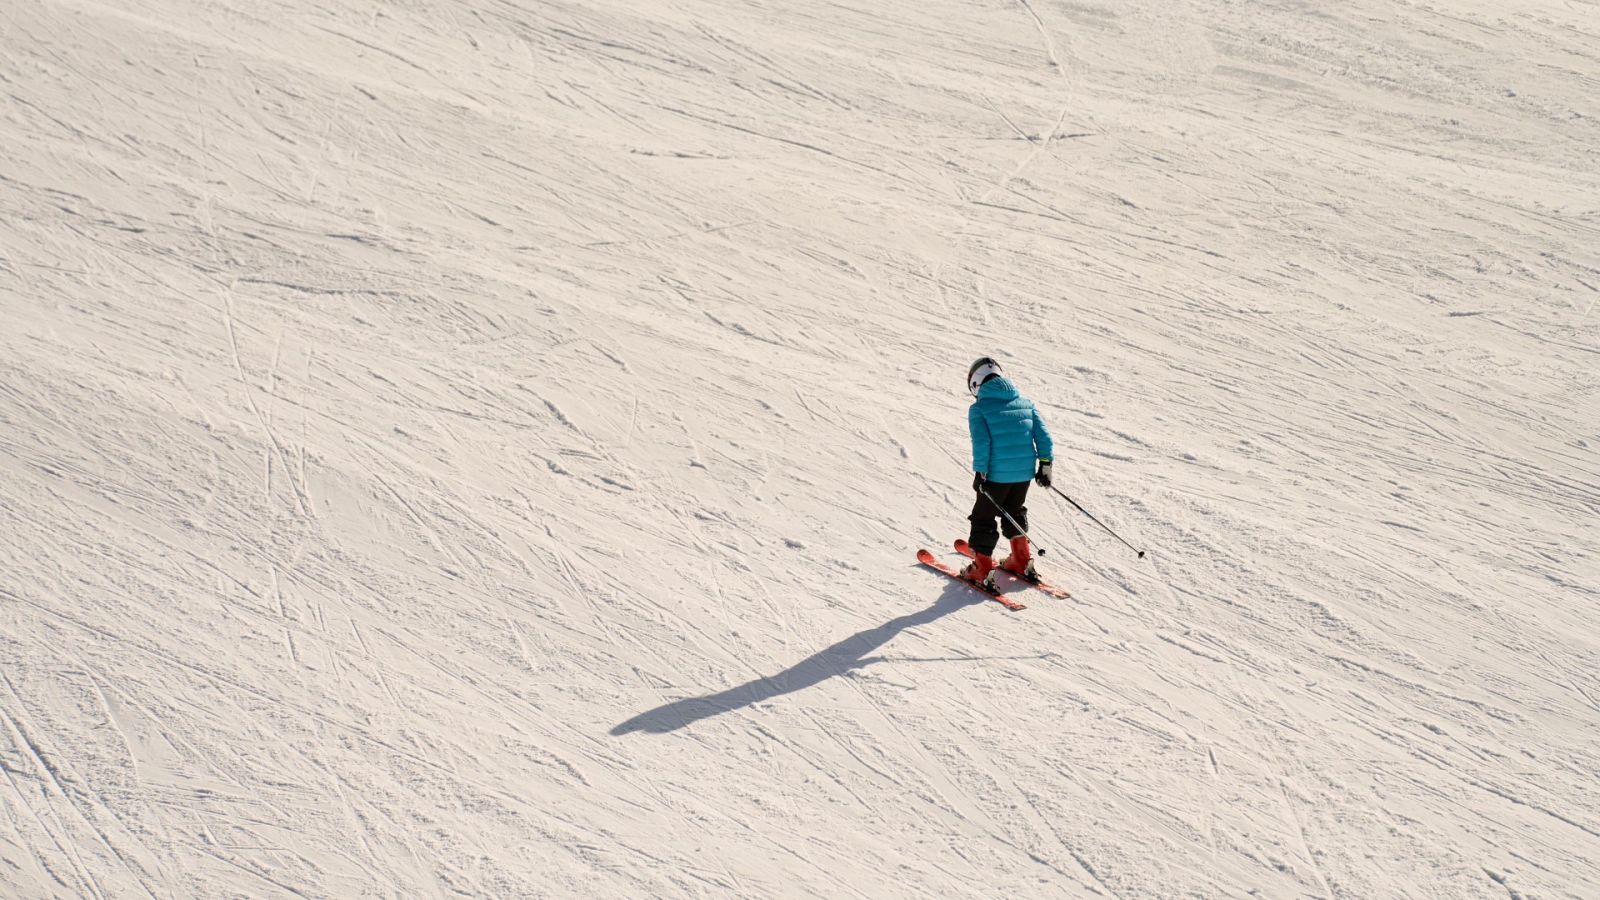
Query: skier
column 1008, row 437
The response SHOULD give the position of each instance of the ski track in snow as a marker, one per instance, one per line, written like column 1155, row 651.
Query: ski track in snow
column 480, row 448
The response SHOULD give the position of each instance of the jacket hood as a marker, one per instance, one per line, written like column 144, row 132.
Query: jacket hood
column 998, row 389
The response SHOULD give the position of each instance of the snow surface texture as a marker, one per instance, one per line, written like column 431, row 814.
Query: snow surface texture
column 479, row 447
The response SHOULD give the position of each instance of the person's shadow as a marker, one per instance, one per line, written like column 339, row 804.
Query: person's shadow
column 845, row 656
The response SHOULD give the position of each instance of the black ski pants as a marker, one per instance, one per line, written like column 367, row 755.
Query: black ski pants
column 1009, row 497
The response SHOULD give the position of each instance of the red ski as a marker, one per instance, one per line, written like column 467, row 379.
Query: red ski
column 965, row 549
column 928, row 559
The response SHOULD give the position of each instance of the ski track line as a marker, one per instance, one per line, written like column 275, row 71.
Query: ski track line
column 272, row 397
column 31, row 848
column 376, row 667
column 488, row 689
column 109, row 707
column 950, row 787
column 20, row 727
column 422, row 523
column 1232, row 671
column 305, row 441
column 1451, row 771
column 1061, row 841
column 363, row 831
column 283, row 613
column 252, row 871
column 1131, row 806
column 1272, row 762
column 39, row 871
column 312, row 714
column 1567, row 679
column 133, row 868
column 576, row 587
column 177, row 739
column 674, row 809
column 1300, row 829
column 69, row 850
column 1036, row 820
column 272, row 439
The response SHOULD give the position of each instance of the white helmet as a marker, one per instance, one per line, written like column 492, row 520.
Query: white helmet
column 980, row 372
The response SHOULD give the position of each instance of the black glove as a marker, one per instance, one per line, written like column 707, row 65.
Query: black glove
column 1043, row 475
column 977, row 481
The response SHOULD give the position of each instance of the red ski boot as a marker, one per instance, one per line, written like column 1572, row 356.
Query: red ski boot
column 1020, row 562
column 980, row 571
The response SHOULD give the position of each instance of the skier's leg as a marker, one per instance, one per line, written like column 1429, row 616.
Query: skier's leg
column 1012, row 498
column 1020, row 562
column 984, row 535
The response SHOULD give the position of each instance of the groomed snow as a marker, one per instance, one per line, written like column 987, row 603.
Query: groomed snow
column 479, row 447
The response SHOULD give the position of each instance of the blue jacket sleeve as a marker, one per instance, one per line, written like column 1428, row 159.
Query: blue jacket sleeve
column 1041, row 437
column 980, row 439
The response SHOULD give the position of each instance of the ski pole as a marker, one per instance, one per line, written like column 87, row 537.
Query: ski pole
column 1096, row 521
column 1013, row 522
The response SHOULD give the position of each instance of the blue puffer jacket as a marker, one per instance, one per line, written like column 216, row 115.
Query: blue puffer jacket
column 1008, row 435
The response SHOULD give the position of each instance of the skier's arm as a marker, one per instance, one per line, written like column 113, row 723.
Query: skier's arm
column 980, row 440
column 1044, row 447
column 1042, row 444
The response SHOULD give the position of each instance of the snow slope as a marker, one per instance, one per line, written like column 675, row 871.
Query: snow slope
column 479, row 447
